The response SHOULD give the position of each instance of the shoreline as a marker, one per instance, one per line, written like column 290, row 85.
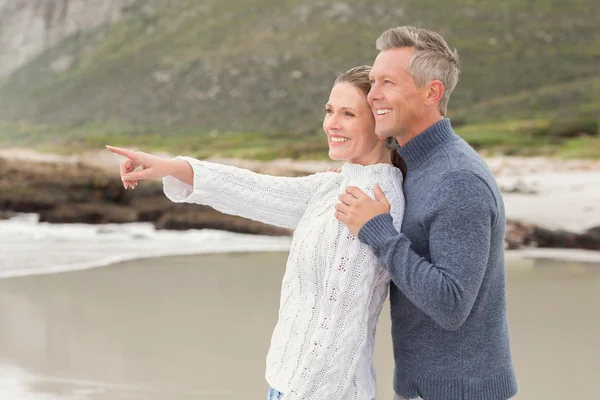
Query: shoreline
column 74, row 247
column 559, row 255
column 233, row 244
column 551, row 193
column 550, row 204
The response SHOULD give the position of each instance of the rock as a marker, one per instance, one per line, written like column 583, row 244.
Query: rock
column 565, row 239
column 6, row 215
column 151, row 208
column 81, row 194
column 75, row 193
column 520, row 235
column 26, row 206
column 48, row 23
column 207, row 219
column 518, row 187
column 594, row 231
column 94, row 213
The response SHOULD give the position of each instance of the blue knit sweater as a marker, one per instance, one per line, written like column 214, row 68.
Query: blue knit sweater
column 448, row 292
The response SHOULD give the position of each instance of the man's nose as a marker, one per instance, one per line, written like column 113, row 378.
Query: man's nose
column 374, row 94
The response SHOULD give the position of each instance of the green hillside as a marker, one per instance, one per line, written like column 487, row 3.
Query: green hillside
column 249, row 78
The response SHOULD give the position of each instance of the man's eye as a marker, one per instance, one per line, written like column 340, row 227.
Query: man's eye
column 387, row 81
column 328, row 111
column 348, row 113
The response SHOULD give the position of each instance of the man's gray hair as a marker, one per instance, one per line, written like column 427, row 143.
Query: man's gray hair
column 433, row 58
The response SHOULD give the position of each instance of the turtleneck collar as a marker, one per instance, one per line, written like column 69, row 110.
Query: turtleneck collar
column 420, row 148
column 369, row 172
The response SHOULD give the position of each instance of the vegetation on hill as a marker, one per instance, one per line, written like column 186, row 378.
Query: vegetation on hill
column 249, row 79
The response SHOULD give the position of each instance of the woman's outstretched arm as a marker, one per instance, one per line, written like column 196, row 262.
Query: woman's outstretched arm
column 274, row 200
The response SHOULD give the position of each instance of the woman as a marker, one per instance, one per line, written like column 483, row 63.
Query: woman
column 333, row 288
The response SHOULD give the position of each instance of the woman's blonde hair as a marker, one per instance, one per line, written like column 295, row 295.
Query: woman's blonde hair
column 357, row 76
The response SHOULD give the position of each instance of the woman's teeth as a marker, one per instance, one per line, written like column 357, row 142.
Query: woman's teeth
column 339, row 140
column 386, row 111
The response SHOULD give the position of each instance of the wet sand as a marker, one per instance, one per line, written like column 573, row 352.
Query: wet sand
column 198, row 327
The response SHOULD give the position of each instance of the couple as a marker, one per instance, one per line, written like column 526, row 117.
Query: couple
column 437, row 235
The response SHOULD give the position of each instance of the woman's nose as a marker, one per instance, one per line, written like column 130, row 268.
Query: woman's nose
column 333, row 123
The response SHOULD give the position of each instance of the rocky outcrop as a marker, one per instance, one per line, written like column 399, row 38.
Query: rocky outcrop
column 75, row 193
column 28, row 27
column 69, row 193
column 6, row 215
column 594, row 231
column 522, row 235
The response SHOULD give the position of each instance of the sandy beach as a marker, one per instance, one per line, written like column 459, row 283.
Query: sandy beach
column 199, row 327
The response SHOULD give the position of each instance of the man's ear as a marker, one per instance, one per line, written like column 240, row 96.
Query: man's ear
column 435, row 91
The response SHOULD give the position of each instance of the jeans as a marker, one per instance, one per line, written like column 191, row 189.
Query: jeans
column 274, row 394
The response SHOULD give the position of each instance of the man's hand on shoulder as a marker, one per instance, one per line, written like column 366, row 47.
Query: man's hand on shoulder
column 355, row 208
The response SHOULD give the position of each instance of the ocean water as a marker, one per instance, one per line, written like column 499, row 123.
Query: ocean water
column 28, row 247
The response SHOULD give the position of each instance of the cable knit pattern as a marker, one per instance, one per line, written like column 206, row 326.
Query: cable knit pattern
column 333, row 288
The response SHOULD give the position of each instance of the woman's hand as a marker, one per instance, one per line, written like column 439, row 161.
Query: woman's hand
column 153, row 167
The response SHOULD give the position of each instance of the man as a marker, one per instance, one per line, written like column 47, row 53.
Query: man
column 448, row 292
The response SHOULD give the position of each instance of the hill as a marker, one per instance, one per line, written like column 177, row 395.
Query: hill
column 250, row 77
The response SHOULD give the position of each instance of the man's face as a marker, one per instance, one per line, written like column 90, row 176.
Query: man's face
column 395, row 100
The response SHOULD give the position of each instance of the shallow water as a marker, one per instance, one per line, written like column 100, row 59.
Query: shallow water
column 28, row 247
column 198, row 327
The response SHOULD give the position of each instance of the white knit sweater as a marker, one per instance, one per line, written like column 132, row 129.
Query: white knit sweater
column 333, row 288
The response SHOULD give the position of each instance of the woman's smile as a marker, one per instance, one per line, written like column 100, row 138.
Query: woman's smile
column 338, row 140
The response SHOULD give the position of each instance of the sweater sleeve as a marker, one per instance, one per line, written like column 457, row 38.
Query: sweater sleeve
column 459, row 220
column 273, row 200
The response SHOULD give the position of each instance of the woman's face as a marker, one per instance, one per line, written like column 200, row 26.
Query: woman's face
column 350, row 127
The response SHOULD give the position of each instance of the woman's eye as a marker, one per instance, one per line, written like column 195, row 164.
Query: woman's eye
column 328, row 111
column 387, row 81
column 372, row 82
column 348, row 113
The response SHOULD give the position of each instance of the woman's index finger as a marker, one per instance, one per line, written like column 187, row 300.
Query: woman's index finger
column 124, row 152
